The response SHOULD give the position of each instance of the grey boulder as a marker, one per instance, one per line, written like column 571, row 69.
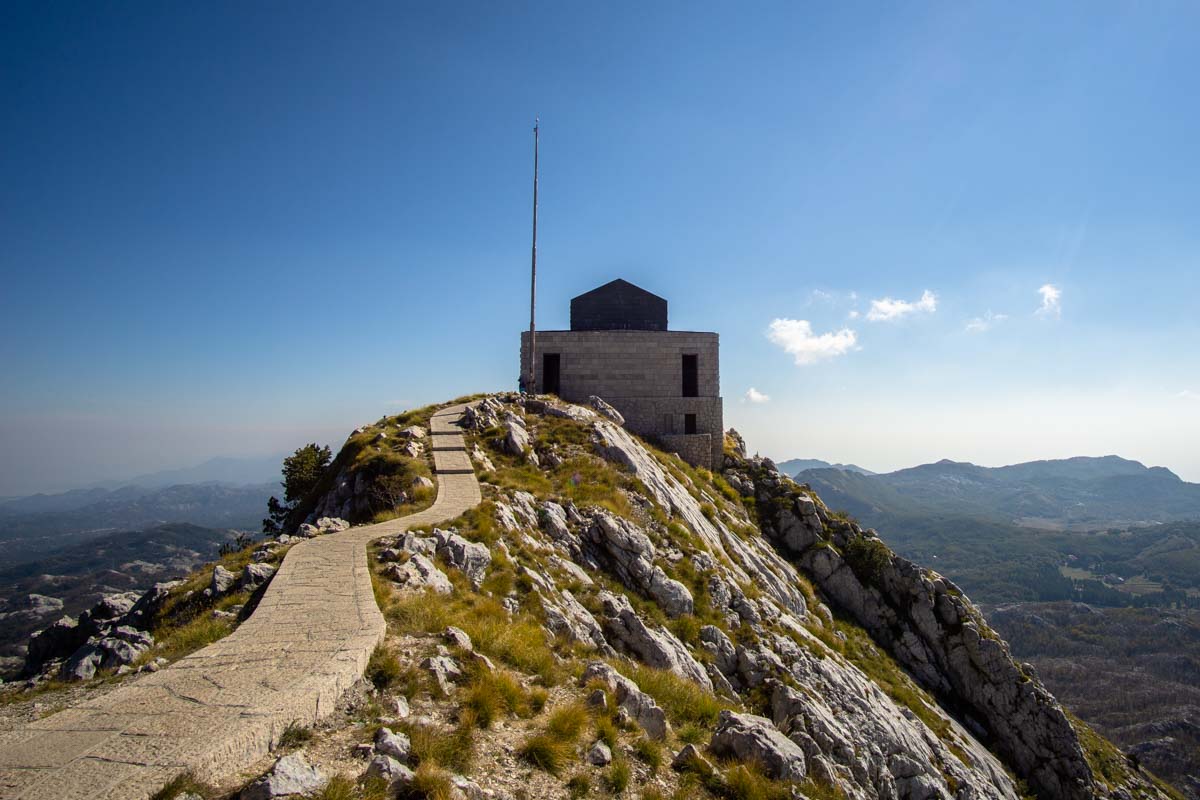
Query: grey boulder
column 747, row 737
column 291, row 775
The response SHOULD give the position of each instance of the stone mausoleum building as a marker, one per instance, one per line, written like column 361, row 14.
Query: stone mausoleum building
column 665, row 383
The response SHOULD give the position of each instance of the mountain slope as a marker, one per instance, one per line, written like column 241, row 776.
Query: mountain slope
column 745, row 585
column 606, row 602
column 72, row 578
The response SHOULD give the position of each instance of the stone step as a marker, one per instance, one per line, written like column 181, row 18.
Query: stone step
column 450, row 462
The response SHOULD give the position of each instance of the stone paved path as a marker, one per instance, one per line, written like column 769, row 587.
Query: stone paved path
column 218, row 710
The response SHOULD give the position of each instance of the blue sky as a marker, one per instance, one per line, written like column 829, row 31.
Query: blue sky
column 229, row 229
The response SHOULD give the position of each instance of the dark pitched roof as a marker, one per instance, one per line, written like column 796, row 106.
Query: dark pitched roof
column 618, row 305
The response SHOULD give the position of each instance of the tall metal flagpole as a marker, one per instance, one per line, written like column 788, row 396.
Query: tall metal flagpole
column 529, row 382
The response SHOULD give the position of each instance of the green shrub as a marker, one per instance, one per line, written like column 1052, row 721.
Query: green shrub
column 682, row 699
column 183, row 784
column 606, row 731
column 867, row 557
column 294, row 735
column 619, row 775
column 453, row 749
column 747, row 782
column 430, row 782
column 650, row 752
column 382, row 669
column 567, row 722
column 339, row 787
column 547, row 753
column 579, row 786
column 492, row 693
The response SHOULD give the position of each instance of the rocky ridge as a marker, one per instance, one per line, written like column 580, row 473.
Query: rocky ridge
column 837, row 668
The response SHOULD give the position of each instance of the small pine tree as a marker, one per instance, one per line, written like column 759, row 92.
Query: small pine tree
column 301, row 472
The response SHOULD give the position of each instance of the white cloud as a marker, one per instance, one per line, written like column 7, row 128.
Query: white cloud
column 755, row 396
column 796, row 337
column 887, row 309
column 1188, row 394
column 1051, row 301
column 853, row 314
column 985, row 323
column 821, row 296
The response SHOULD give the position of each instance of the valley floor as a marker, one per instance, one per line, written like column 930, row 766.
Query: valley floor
column 1133, row 674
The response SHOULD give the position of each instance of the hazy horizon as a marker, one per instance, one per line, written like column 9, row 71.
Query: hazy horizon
column 926, row 232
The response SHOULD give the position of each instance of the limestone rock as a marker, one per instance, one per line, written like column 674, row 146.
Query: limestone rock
column 516, row 438
column 472, row 558
column 222, row 581
column 413, row 432
column 419, row 573
column 747, row 737
column 599, row 755
column 481, row 459
column 657, row 648
column 627, row 551
column 457, row 637
column 640, row 706
column 690, row 759
column 254, row 576
column 332, row 525
column 483, row 415
column 396, row 745
column 389, row 770
column 58, row 639
column 570, row 411
column 566, row 616
column 292, row 775
column 421, row 482
column 739, row 444
column 445, row 671
column 604, row 409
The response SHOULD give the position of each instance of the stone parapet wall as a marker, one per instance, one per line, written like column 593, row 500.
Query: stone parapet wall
column 696, row 449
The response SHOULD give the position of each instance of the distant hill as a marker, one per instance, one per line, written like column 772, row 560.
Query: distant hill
column 226, row 470
column 1076, row 492
column 27, row 535
column 795, row 465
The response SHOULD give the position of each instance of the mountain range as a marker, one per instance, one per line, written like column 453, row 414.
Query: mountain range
column 795, row 465
column 33, row 527
column 1078, row 493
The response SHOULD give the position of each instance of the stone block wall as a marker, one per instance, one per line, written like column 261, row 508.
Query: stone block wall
column 641, row 374
column 627, row 363
column 697, row 449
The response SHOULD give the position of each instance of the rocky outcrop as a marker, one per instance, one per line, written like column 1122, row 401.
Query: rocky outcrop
column 470, row 558
column 418, row 572
column 640, row 706
column 605, row 410
column 747, row 737
column 656, row 647
column 928, row 625
column 112, row 634
column 629, row 554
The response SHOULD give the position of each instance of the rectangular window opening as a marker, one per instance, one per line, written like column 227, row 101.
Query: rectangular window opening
column 689, row 423
column 691, row 380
